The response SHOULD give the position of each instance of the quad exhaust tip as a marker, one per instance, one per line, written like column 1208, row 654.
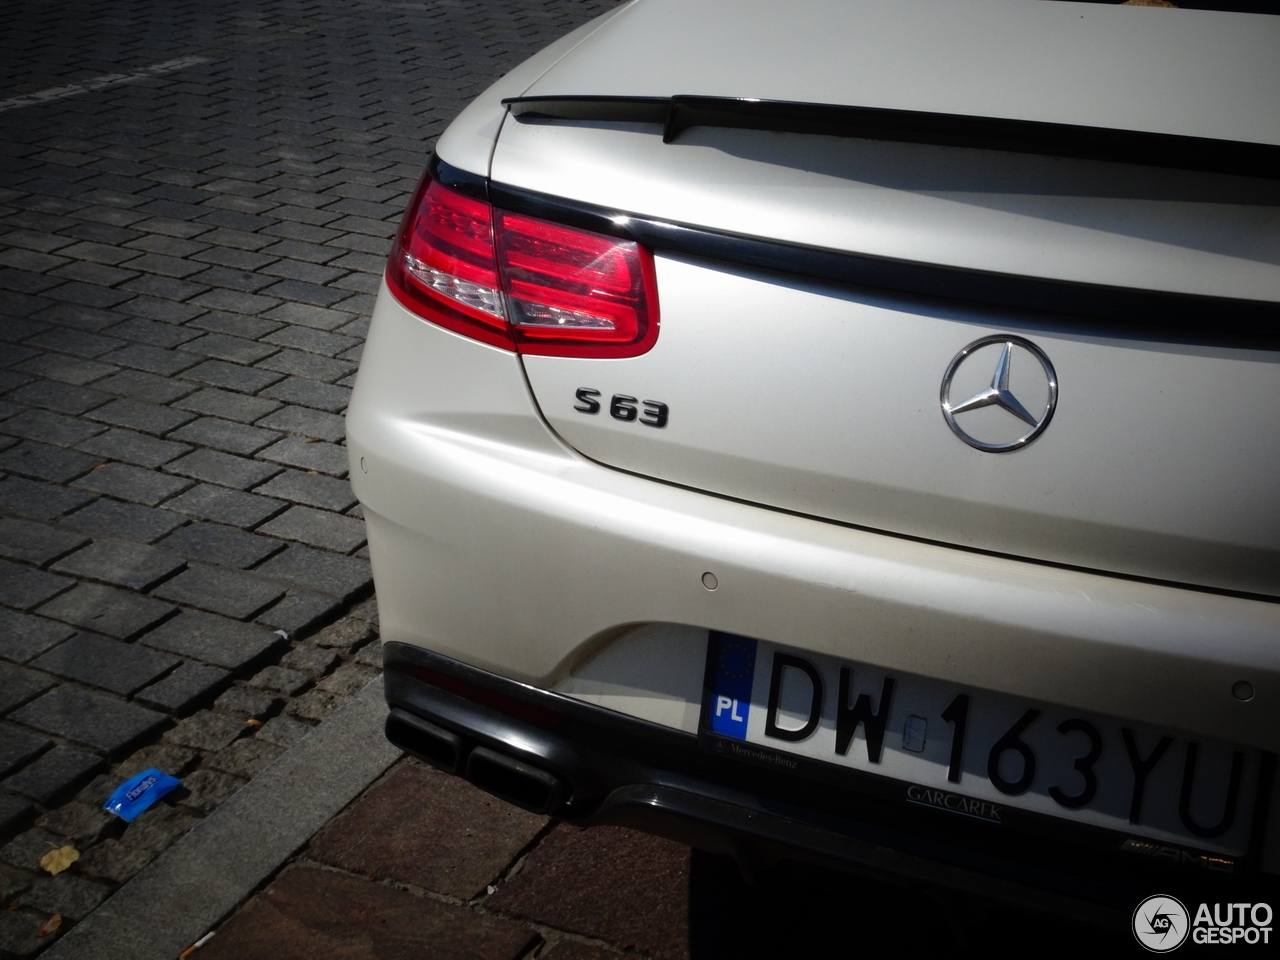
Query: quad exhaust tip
column 515, row 781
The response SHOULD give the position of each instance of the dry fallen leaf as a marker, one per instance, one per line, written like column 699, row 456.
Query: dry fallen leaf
column 254, row 723
column 55, row 861
column 50, row 925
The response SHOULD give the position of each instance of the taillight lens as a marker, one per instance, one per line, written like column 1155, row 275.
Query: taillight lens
column 521, row 283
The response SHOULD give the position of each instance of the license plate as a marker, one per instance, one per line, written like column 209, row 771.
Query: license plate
column 977, row 754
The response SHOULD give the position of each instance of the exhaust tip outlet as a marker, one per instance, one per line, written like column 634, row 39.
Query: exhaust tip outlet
column 514, row 781
column 425, row 740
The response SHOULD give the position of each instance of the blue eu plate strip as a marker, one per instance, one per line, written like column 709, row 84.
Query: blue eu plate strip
column 732, row 674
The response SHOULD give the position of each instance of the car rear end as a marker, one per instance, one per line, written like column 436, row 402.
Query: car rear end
column 848, row 434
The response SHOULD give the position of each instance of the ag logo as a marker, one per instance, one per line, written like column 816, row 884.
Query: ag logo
column 1161, row 923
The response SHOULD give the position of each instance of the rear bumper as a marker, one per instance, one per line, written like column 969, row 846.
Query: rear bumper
column 606, row 768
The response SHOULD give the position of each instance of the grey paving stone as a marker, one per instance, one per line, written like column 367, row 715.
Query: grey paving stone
column 59, row 397
column 23, row 637
column 55, row 773
column 17, row 686
column 310, row 340
column 300, row 612
column 283, row 731
column 66, row 894
column 121, row 563
column 189, row 684
column 212, row 502
column 233, row 349
column 103, row 662
column 114, row 861
column 158, row 828
column 215, row 640
column 229, row 406
column 103, row 609
column 25, row 850
column 312, row 489
column 43, row 462
column 345, row 635
column 15, row 812
column 297, row 363
column 281, row 680
column 246, row 702
column 79, row 343
column 152, row 333
column 228, row 592
column 50, row 427
column 309, row 393
column 78, row 822
column 307, row 454
column 318, row 528
column 222, row 435
column 168, row 758
column 318, row 570
column 157, row 360
column 111, row 518
column 38, row 501
column 206, row 730
column 315, row 704
column 137, row 484
column 55, row 366
column 247, row 757
column 306, row 658
column 35, row 542
column 135, row 448
column 218, row 373
column 25, row 587
column 145, row 386
column 223, row 469
column 306, row 422
column 215, row 543
column 236, row 324
column 140, row 415
column 208, row 789
column 17, row 746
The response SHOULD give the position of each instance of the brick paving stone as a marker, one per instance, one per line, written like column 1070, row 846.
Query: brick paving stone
column 187, row 685
column 297, row 363
column 343, row 577
column 228, row 592
column 17, row 686
column 103, row 609
column 206, row 730
column 70, row 896
column 42, row 462
column 23, row 637
column 306, row 422
column 158, row 828
column 211, row 502
column 25, row 850
column 90, row 718
column 246, row 757
column 25, row 588
column 106, row 663
column 315, row 705
column 111, row 518
column 317, row 528
column 229, row 376
column 19, row 933
column 283, row 731
column 54, row 774
column 17, row 746
column 223, row 469
column 308, row 393
column 145, row 386
column 15, row 812
column 35, row 542
column 123, row 564
column 308, row 315
column 153, row 359
column 423, row 827
column 215, row 640
column 606, row 882
column 308, row 454
column 135, row 448
column 131, row 483
column 215, row 543
column 227, row 405
column 207, row 789
column 50, row 427
column 317, row 913
column 55, row 366
column 311, row 489
column 60, row 397
column 281, row 680
column 347, row 680
column 313, row 661
column 38, row 501
column 170, row 758
column 114, row 861
column 224, row 435
column 78, row 822
column 234, row 349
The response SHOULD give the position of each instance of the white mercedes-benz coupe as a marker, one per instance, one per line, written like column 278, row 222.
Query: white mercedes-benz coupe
column 848, row 431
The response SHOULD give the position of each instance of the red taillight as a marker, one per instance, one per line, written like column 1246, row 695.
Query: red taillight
column 522, row 283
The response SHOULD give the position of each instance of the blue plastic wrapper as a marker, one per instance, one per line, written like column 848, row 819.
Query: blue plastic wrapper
column 138, row 793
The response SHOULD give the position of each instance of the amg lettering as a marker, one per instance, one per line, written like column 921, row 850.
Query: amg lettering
column 955, row 803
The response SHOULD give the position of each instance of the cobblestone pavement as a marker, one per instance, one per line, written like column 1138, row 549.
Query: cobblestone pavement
column 195, row 203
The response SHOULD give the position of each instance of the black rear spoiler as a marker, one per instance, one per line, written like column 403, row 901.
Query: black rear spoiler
column 679, row 113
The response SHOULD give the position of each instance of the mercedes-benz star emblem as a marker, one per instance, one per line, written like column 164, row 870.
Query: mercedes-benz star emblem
column 1010, row 410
